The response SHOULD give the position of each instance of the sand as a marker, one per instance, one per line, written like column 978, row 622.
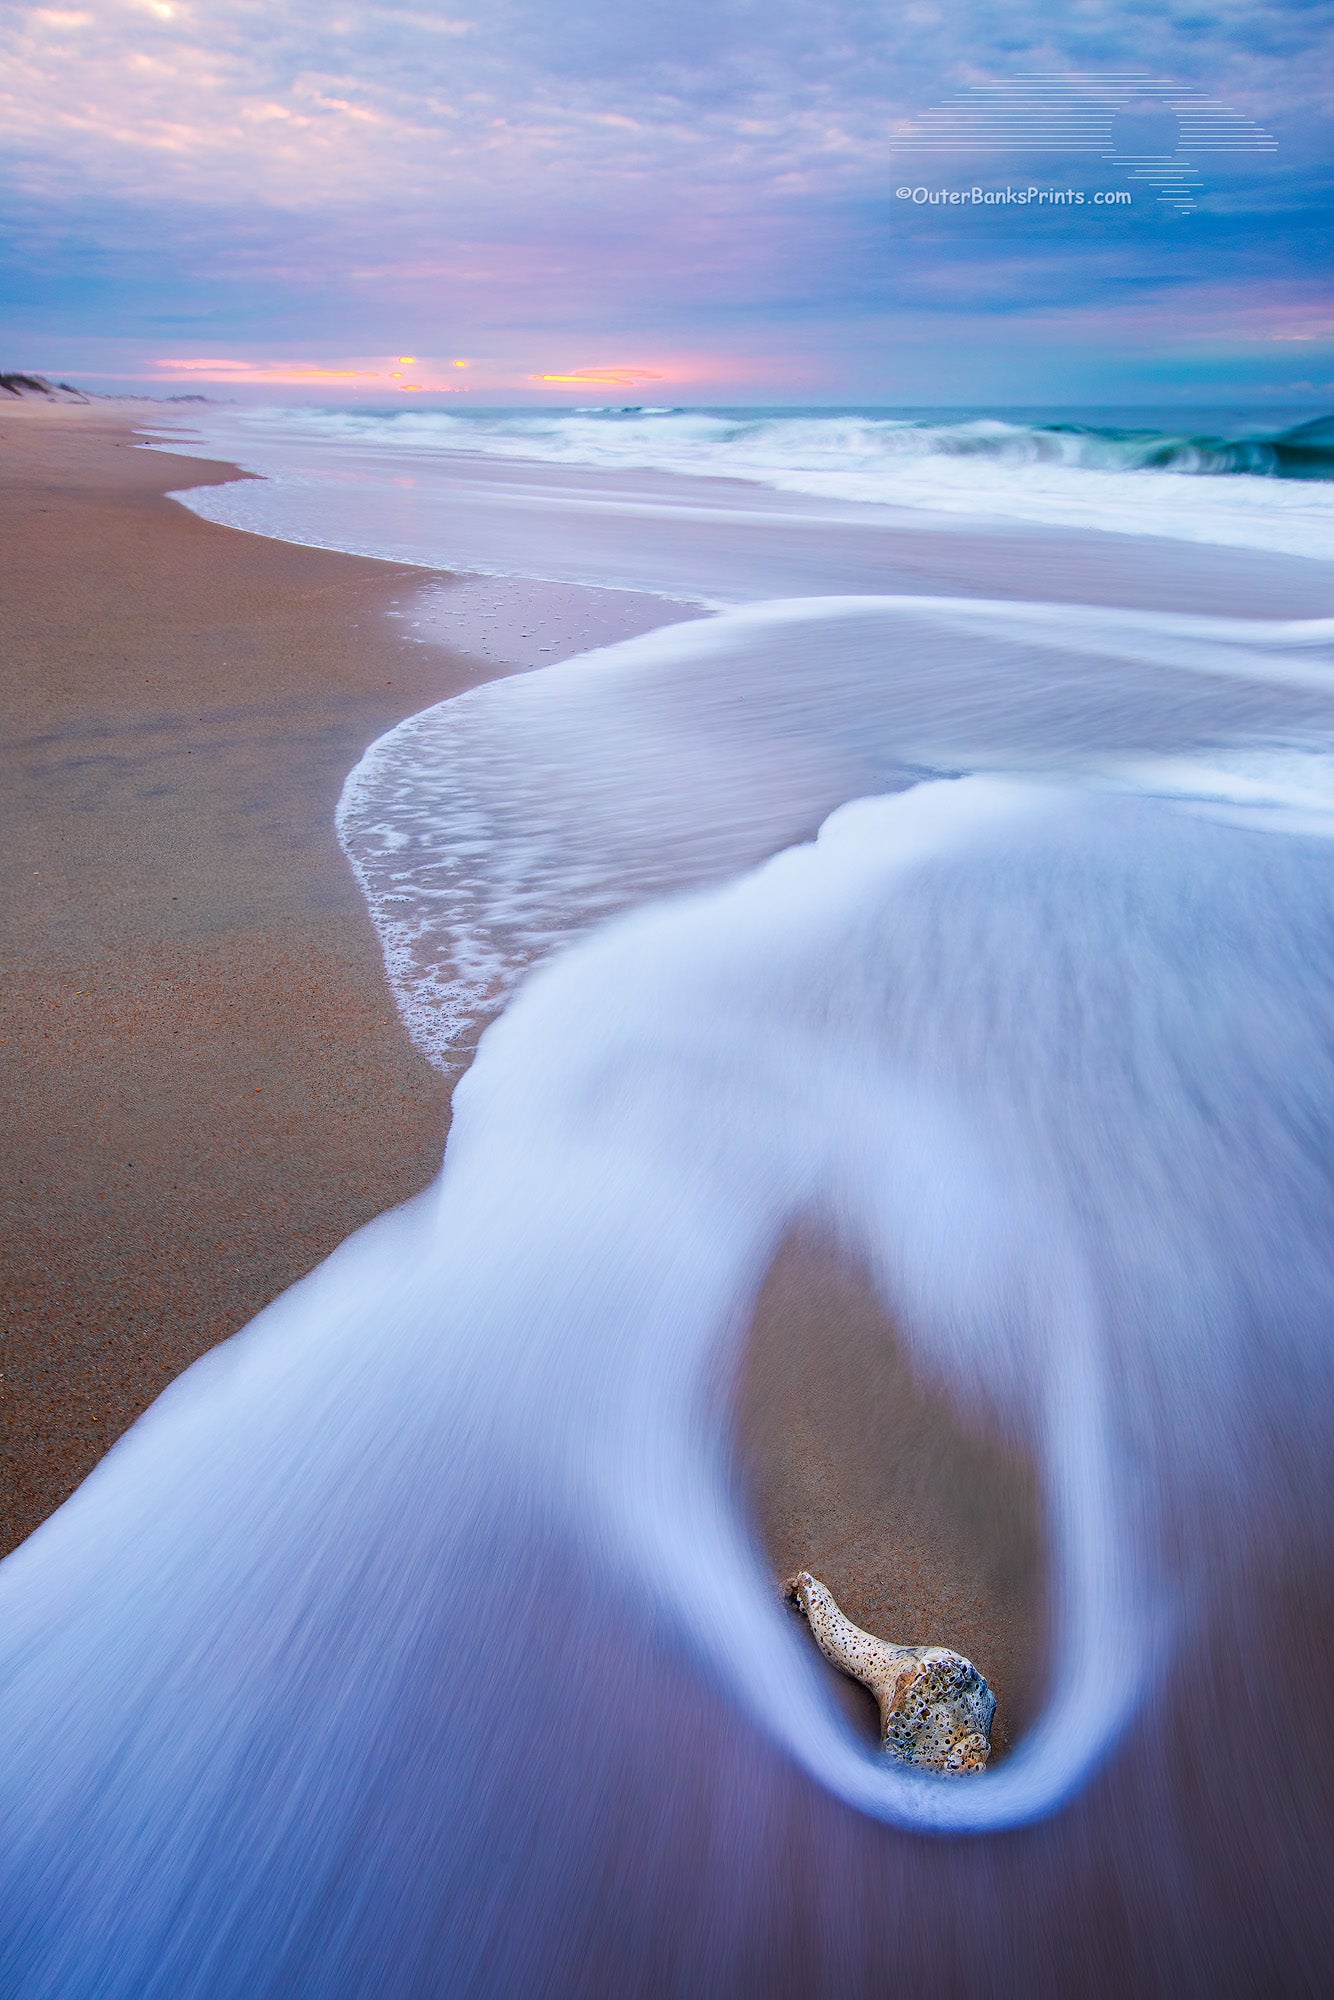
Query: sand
column 926, row 1530
column 208, row 1088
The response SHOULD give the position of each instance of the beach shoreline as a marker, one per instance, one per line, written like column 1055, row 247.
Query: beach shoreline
column 207, row 1087
column 715, row 538
column 210, row 1086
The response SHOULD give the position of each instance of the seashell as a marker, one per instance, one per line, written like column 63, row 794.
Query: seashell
column 936, row 1709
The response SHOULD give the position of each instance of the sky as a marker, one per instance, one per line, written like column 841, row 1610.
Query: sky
column 679, row 201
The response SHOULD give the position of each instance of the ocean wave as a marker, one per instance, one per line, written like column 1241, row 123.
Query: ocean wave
column 856, row 443
column 418, row 1636
column 1244, row 484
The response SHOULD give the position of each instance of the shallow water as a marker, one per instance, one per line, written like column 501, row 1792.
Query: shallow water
column 489, row 829
column 418, row 1641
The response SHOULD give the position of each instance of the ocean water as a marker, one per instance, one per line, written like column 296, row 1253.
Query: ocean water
column 418, row 1641
column 487, row 831
column 1226, row 478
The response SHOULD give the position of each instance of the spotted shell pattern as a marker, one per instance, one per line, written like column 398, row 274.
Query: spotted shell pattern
column 936, row 1709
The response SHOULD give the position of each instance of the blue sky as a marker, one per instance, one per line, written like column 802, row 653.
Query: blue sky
column 687, row 201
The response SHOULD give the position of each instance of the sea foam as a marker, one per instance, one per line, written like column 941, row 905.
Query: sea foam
column 488, row 831
column 382, row 1600
column 1247, row 485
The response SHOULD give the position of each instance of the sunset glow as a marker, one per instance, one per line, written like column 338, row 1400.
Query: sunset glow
column 605, row 378
column 415, row 375
column 225, row 370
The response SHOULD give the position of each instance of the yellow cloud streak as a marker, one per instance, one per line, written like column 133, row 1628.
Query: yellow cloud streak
column 221, row 368
column 610, row 378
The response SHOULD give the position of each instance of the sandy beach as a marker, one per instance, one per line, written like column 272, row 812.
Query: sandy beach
column 206, row 1084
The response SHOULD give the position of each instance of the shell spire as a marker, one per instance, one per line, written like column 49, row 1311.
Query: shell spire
column 936, row 1709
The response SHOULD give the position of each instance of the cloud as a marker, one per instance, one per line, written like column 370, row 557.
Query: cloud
column 606, row 378
column 302, row 106
column 543, row 185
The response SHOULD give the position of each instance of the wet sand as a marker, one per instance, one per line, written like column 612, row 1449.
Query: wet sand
column 205, row 1082
column 926, row 1530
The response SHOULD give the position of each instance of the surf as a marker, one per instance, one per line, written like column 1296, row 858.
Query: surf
column 378, row 1625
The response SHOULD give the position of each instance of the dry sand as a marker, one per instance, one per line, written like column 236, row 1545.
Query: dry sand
column 207, row 1087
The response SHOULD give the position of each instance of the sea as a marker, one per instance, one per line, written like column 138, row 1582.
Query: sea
column 1225, row 478
column 939, row 858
